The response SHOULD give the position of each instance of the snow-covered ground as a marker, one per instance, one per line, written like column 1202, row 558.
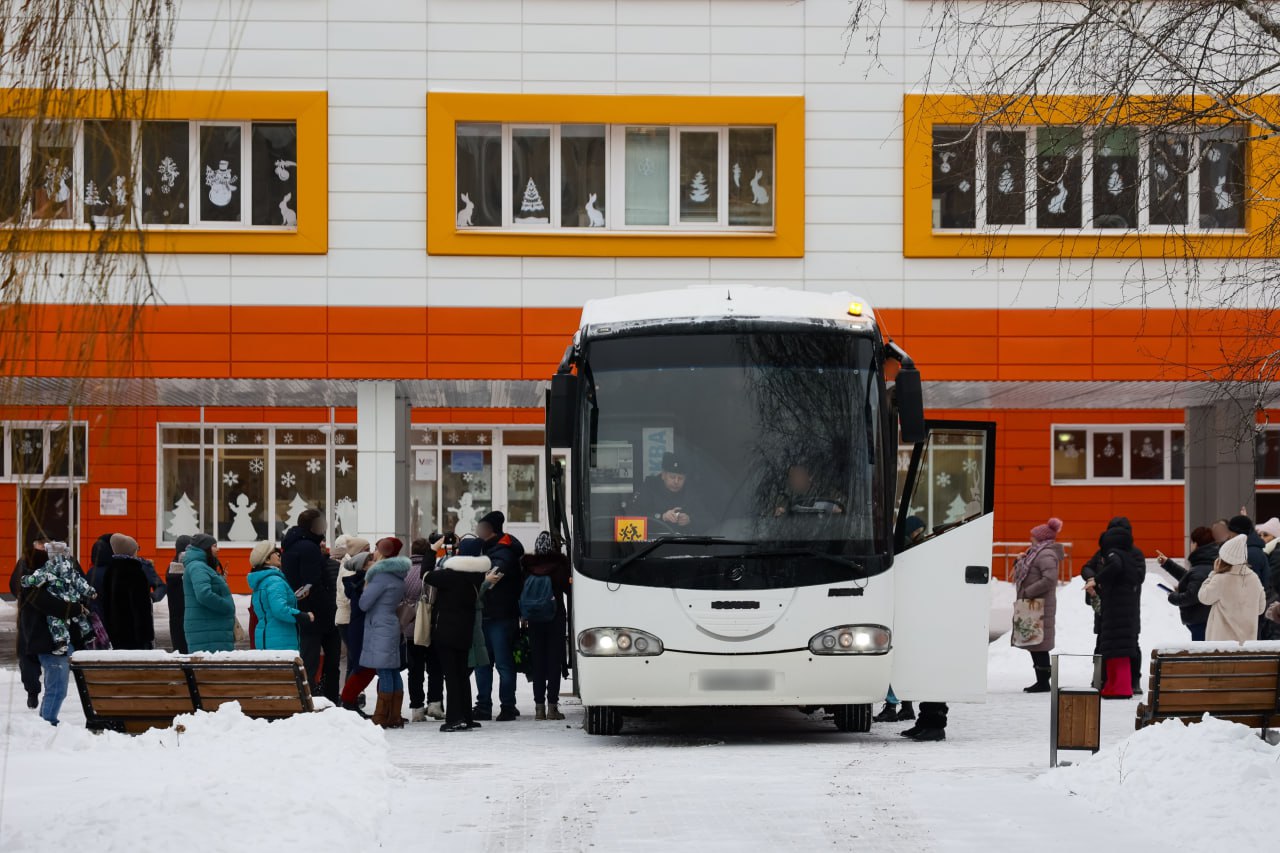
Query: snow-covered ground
column 699, row 780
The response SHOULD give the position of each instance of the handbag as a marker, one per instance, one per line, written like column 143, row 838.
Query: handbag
column 99, row 641
column 1028, row 622
column 422, row 619
column 522, row 653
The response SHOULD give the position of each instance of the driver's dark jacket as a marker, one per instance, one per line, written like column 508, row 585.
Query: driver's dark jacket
column 789, row 501
column 654, row 499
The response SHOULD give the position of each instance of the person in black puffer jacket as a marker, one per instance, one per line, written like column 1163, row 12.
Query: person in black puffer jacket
column 307, row 566
column 1118, row 585
column 453, row 619
column 1187, row 594
column 501, row 619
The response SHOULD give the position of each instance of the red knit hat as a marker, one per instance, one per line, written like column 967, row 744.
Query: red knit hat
column 1047, row 531
column 390, row 546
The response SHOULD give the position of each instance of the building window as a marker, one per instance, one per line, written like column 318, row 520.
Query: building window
column 1117, row 454
column 1091, row 178
column 38, row 452
column 614, row 177
column 1267, row 459
column 97, row 174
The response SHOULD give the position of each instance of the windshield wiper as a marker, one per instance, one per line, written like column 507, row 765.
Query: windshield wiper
column 844, row 562
column 674, row 539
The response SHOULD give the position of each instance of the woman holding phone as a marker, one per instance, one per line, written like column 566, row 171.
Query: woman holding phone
column 1186, row 596
column 1035, row 579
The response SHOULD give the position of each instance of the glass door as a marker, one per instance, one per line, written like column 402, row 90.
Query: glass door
column 49, row 513
column 525, row 499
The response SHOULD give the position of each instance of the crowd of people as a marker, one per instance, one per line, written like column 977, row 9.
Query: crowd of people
column 449, row 610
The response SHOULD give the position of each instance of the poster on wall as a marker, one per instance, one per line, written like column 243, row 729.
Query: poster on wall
column 113, row 502
column 657, row 442
column 466, row 462
column 424, row 465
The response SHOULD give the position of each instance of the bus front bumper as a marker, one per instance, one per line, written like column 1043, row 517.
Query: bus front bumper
column 688, row 679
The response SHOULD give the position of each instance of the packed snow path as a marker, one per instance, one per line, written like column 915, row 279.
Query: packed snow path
column 697, row 780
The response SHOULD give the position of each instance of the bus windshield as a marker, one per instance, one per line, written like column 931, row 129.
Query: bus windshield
column 768, row 440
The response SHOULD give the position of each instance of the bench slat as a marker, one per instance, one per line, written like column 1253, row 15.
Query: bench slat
column 1218, row 682
column 118, row 675
column 253, row 706
column 1207, row 666
column 145, row 689
column 142, row 707
column 1209, row 701
column 280, row 674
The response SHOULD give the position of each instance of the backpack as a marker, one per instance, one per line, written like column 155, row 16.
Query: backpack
column 538, row 599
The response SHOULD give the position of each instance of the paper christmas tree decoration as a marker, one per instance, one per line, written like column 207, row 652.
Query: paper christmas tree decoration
column 698, row 189
column 532, row 201
column 296, row 506
column 185, row 519
column 955, row 510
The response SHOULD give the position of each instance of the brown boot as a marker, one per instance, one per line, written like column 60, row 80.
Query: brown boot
column 379, row 717
column 394, row 718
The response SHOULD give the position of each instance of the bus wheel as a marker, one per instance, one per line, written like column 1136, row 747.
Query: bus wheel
column 604, row 721
column 853, row 718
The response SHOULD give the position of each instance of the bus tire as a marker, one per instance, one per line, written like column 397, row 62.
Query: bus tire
column 602, row 720
column 853, row 718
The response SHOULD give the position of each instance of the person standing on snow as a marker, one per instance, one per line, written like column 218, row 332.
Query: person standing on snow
column 1035, row 578
column 354, row 569
column 129, row 622
column 177, row 602
column 426, row 680
column 53, row 612
column 380, row 601
column 547, row 627
column 1269, row 530
column 1234, row 595
column 1242, row 525
column 209, row 615
column 314, row 580
column 273, row 601
column 1186, row 596
column 453, row 619
column 28, row 662
column 501, row 620
column 1117, row 582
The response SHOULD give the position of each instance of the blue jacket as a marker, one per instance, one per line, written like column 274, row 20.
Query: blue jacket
column 383, row 591
column 210, row 614
column 276, row 609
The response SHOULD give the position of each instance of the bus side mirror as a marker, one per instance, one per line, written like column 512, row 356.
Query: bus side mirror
column 909, row 395
column 562, row 409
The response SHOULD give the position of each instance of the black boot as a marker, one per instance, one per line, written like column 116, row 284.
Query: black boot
column 1042, row 684
column 888, row 714
column 907, row 712
column 355, row 706
column 33, row 700
column 925, row 735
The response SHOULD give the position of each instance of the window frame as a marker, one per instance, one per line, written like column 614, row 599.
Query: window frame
column 43, row 478
column 307, row 110
column 920, row 240
column 785, row 114
column 1126, row 479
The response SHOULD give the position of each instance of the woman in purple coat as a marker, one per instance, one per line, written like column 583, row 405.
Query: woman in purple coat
column 1036, row 578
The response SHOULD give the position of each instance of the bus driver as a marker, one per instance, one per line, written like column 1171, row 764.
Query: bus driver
column 802, row 496
column 663, row 497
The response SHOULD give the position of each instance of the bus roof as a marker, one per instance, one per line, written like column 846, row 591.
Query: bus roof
column 710, row 302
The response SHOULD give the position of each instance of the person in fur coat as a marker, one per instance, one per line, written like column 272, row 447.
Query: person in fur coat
column 453, row 620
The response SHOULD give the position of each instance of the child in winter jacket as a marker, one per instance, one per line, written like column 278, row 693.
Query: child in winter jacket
column 1234, row 593
column 59, row 578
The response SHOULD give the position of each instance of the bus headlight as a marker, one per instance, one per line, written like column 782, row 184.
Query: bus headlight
column 618, row 642
column 852, row 640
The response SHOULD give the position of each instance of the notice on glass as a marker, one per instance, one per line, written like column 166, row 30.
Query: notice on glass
column 113, row 502
column 424, row 465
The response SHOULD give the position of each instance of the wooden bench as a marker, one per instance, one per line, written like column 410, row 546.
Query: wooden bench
column 134, row 691
column 1240, row 684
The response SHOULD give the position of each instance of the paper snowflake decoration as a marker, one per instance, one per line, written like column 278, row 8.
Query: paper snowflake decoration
column 257, row 438
column 343, row 465
column 311, row 438
column 340, row 438
column 904, row 461
column 288, row 438
column 468, row 477
column 256, row 466
column 27, row 447
column 944, row 479
column 484, row 439
column 969, row 466
column 230, row 478
column 313, row 466
column 232, row 438
column 454, row 438
column 287, row 479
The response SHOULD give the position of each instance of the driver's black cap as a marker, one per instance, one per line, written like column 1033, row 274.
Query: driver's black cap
column 671, row 464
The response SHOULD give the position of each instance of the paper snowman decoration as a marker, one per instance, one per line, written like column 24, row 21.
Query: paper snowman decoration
column 221, row 183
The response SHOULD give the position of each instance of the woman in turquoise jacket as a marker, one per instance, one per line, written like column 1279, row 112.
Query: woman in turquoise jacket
column 210, row 615
column 273, row 601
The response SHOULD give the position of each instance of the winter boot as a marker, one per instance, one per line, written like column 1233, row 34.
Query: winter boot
column 888, row 714
column 506, row 715
column 553, row 712
column 478, row 714
column 926, row 735
column 906, row 712
column 380, row 710
column 33, row 700
column 1119, row 683
column 1042, row 681
column 435, row 710
column 539, row 712
column 417, row 715
column 460, row 726
column 395, row 720
column 355, row 708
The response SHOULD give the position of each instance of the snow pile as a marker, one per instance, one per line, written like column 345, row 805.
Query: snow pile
column 220, row 781
column 1190, row 786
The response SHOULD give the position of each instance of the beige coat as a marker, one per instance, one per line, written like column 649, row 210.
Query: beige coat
column 1236, row 599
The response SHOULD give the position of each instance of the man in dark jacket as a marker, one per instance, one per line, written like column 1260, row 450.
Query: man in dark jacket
column 128, row 620
column 1118, row 585
column 501, row 619
column 453, row 620
column 28, row 662
column 1186, row 597
column 100, row 557
column 1257, row 548
column 177, row 597
column 307, row 568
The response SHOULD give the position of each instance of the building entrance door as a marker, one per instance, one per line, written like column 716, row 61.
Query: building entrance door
column 49, row 513
column 525, row 502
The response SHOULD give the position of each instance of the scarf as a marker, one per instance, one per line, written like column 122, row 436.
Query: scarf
column 1023, row 566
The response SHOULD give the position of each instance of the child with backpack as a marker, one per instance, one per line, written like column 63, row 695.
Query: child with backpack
column 542, row 606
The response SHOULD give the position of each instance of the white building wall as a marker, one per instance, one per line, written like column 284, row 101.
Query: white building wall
column 377, row 60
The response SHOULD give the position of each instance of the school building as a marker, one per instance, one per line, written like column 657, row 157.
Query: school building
column 359, row 213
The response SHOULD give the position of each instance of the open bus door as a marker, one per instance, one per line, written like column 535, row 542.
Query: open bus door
column 942, row 565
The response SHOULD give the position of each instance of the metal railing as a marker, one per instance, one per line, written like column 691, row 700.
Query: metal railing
column 1005, row 554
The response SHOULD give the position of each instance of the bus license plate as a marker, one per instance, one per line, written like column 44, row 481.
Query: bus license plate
column 735, row 679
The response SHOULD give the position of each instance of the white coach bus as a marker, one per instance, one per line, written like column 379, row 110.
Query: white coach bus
column 760, row 513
